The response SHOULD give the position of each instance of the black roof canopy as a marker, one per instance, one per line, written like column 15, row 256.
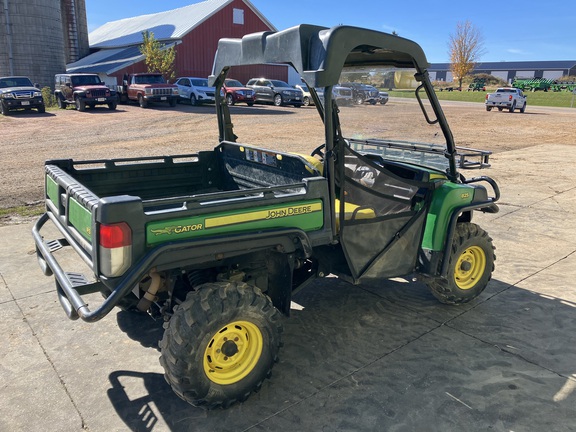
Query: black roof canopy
column 318, row 53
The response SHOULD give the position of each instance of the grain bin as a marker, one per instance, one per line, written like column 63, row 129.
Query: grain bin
column 38, row 38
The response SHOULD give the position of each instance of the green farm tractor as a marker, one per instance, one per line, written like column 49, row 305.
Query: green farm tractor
column 478, row 84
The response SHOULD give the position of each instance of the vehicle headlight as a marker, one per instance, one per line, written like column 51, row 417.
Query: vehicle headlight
column 148, row 91
column 175, row 92
column 37, row 94
column 287, row 92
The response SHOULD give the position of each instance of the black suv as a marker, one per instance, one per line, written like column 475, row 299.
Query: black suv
column 83, row 90
column 275, row 91
column 362, row 92
column 18, row 92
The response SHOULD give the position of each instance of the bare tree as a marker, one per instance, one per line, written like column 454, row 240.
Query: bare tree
column 465, row 48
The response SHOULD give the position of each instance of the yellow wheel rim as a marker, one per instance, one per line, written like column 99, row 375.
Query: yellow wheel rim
column 233, row 352
column 470, row 267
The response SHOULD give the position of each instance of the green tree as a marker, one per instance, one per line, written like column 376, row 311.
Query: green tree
column 158, row 58
column 465, row 47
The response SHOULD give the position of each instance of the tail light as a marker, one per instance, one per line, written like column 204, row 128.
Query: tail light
column 486, row 96
column 510, row 97
column 115, row 249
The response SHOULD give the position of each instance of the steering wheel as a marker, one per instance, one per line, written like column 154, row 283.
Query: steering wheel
column 365, row 175
column 318, row 151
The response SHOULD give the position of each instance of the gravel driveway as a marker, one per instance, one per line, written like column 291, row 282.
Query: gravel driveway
column 28, row 139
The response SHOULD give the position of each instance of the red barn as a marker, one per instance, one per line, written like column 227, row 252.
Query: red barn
column 194, row 30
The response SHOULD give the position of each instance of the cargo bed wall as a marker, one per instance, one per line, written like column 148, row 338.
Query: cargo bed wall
column 246, row 167
column 230, row 167
column 147, row 178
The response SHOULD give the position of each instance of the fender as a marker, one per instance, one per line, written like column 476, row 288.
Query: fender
column 454, row 203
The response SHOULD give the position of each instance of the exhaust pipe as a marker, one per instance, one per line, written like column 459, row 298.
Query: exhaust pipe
column 150, row 295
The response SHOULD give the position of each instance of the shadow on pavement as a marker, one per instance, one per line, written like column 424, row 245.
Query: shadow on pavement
column 371, row 358
column 140, row 327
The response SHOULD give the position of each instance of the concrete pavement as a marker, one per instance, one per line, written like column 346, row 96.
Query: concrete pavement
column 370, row 358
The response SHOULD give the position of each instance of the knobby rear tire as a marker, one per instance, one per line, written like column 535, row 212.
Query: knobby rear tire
column 191, row 342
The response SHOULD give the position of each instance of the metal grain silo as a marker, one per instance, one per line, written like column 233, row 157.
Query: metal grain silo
column 38, row 37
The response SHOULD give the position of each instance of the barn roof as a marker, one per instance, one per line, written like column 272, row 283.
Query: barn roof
column 169, row 25
column 109, row 60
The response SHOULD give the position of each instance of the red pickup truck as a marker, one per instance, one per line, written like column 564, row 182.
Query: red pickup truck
column 147, row 87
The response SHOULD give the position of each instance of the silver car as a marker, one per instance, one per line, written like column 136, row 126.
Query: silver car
column 342, row 95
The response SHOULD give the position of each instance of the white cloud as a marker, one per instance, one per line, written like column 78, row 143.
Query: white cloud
column 517, row 51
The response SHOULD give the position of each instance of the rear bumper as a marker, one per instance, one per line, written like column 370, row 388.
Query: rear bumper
column 69, row 286
column 506, row 104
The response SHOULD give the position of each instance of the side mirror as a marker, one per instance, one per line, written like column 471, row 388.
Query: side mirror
column 36, row 85
column 69, row 84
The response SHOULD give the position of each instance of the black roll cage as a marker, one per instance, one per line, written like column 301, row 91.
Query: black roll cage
column 319, row 54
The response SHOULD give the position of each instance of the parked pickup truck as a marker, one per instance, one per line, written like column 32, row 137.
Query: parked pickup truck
column 18, row 92
column 217, row 242
column 506, row 98
column 147, row 87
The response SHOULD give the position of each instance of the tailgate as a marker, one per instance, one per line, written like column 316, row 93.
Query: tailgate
column 101, row 230
column 70, row 205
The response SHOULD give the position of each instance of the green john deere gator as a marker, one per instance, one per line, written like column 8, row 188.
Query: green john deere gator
column 217, row 242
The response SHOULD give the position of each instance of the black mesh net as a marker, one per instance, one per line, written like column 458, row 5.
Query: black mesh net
column 381, row 215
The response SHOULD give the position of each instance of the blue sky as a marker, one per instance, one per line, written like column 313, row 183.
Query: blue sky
column 512, row 31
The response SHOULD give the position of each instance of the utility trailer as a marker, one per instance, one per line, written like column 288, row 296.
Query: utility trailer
column 532, row 84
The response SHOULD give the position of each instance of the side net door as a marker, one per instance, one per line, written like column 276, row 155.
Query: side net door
column 381, row 214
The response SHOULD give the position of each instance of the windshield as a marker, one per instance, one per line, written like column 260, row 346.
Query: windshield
column 149, row 79
column 395, row 128
column 15, row 82
column 86, row 80
column 234, row 83
column 277, row 83
column 199, row 82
